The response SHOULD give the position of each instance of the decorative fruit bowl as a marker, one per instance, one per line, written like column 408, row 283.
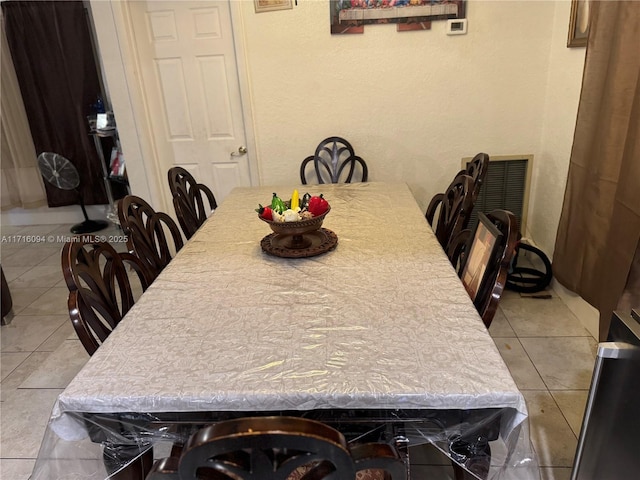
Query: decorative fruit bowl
column 297, row 228
column 297, row 232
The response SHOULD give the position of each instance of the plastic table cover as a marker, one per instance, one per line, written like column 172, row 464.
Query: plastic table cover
column 380, row 326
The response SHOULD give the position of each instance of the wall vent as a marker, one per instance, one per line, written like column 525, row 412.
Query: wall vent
column 506, row 187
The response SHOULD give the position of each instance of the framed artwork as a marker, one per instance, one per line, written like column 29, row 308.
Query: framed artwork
column 485, row 242
column 578, row 23
column 270, row 5
column 350, row 16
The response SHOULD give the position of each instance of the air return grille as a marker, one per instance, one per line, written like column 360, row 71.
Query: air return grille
column 506, row 187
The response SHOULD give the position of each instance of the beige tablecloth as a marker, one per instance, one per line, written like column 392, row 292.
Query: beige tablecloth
column 380, row 322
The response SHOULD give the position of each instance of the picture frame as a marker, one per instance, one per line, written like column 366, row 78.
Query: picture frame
column 351, row 16
column 578, row 23
column 271, row 5
column 482, row 252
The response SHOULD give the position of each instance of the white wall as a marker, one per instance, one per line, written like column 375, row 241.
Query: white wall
column 562, row 95
column 412, row 103
column 550, row 175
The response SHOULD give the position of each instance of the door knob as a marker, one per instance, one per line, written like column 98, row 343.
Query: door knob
column 242, row 150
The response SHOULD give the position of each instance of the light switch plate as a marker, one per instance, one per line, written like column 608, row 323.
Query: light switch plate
column 457, row 26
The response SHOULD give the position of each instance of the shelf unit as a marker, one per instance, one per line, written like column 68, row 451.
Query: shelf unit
column 97, row 135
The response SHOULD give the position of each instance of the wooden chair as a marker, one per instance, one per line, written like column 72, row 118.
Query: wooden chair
column 454, row 209
column 100, row 289
column 457, row 248
column 333, row 158
column 5, row 296
column 483, row 260
column 100, row 294
column 477, row 169
column 187, row 200
column 146, row 234
column 277, row 448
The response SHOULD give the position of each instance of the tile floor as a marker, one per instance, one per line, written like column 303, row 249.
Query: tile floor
column 546, row 349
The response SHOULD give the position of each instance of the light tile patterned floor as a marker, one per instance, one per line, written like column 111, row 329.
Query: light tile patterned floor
column 549, row 353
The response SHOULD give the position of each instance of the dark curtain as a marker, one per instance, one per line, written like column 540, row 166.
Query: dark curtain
column 54, row 61
column 599, row 229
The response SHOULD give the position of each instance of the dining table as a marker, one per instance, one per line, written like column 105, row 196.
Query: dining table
column 369, row 330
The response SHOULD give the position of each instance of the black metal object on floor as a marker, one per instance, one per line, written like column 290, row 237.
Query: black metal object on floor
column 527, row 279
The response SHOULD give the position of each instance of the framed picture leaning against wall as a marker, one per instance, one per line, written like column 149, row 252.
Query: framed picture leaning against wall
column 481, row 255
column 578, row 23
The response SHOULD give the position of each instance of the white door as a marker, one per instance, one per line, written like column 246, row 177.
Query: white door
column 190, row 82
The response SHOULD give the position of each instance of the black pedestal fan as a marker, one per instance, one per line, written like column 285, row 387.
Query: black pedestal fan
column 61, row 173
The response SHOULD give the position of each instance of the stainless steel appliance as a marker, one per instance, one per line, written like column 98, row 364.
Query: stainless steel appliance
column 609, row 438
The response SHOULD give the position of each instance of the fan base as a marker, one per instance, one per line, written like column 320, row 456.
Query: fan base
column 89, row 226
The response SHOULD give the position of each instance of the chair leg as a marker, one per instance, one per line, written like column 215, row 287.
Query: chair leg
column 458, row 471
column 115, row 455
column 7, row 302
column 474, row 455
column 401, row 443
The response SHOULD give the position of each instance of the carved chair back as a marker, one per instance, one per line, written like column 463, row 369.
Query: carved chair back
column 454, row 209
column 334, row 161
column 458, row 247
column 477, row 169
column 101, row 291
column 277, row 448
column 147, row 231
column 188, row 201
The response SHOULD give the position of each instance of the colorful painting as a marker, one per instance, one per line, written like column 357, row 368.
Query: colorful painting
column 350, row 16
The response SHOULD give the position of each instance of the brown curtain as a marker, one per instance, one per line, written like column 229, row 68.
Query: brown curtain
column 20, row 181
column 599, row 228
column 55, row 65
column 630, row 297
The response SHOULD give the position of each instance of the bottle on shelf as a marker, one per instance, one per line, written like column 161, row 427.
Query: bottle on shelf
column 99, row 106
